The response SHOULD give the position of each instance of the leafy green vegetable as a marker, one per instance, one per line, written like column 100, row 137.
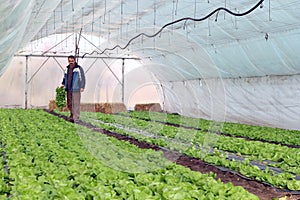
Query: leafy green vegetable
column 211, row 148
column 265, row 133
column 50, row 158
column 60, row 99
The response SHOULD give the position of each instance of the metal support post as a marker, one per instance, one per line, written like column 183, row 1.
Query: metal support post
column 26, row 82
column 123, row 67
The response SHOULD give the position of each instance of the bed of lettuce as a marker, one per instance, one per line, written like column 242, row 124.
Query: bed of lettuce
column 274, row 164
column 277, row 135
column 45, row 157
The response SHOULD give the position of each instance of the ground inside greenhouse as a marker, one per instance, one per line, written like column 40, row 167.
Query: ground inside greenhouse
column 263, row 191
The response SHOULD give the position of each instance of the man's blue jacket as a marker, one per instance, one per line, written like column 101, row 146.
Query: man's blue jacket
column 78, row 79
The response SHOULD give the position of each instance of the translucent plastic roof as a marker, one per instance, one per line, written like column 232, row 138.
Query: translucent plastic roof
column 263, row 42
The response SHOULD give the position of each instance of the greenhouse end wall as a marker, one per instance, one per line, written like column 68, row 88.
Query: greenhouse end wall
column 266, row 101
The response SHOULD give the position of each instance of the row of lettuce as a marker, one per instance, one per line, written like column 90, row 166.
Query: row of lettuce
column 50, row 158
column 270, row 163
column 277, row 135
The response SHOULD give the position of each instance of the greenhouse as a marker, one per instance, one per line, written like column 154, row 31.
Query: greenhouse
column 182, row 99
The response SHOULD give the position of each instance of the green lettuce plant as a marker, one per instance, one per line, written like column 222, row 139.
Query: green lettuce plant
column 60, row 98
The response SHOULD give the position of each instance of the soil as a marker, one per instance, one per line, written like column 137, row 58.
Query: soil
column 263, row 191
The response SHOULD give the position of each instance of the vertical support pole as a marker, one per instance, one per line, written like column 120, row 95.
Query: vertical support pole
column 26, row 82
column 76, row 49
column 123, row 68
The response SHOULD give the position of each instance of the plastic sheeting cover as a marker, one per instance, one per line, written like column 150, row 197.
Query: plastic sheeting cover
column 224, row 68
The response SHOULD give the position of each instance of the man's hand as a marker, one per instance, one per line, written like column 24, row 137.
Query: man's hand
column 81, row 89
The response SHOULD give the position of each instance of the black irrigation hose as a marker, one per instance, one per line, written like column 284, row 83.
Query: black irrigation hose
column 211, row 131
column 177, row 21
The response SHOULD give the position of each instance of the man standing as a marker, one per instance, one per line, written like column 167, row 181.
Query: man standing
column 74, row 84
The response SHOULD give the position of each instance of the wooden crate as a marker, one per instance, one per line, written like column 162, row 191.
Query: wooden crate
column 107, row 108
column 52, row 106
column 154, row 107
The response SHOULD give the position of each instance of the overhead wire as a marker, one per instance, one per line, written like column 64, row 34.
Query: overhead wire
column 177, row 21
column 137, row 15
column 39, row 9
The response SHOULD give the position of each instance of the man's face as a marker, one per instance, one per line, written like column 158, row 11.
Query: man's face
column 71, row 62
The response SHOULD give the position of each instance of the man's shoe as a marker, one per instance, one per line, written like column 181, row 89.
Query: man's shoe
column 71, row 120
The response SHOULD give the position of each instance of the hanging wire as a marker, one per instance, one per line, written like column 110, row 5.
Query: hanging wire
column 39, row 9
column 47, row 28
column 187, row 34
column 61, row 38
column 66, row 34
column 270, row 10
column 104, row 12
column 154, row 14
column 137, row 15
column 61, row 10
column 209, row 33
column 225, row 7
column 237, row 14
column 73, row 22
column 195, row 11
column 173, row 15
column 235, row 20
column 121, row 30
column 93, row 16
column 154, row 22
column 41, row 37
column 127, row 30
column 108, row 39
column 176, row 7
column 54, row 19
column 100, row 22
